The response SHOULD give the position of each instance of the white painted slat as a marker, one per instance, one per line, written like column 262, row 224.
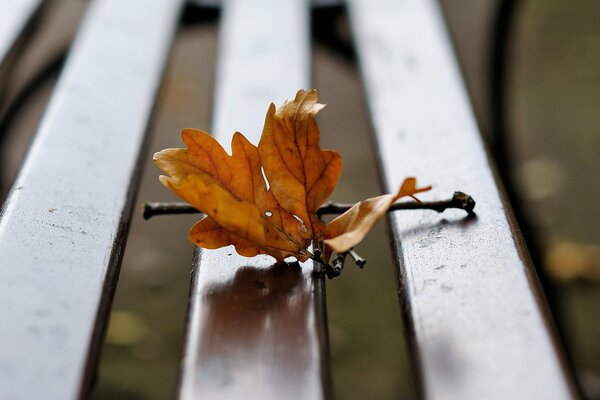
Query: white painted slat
column 63, row 227
column 255, row 330
column 478, row 326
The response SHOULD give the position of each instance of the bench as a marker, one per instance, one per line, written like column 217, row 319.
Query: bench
column 477, row 324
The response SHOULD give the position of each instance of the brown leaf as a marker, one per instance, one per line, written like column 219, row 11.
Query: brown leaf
column 347, row 230
column 277, row 217
column 231, row 191
column 301, row 175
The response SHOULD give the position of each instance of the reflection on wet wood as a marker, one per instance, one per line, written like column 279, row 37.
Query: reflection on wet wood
column 255, row 330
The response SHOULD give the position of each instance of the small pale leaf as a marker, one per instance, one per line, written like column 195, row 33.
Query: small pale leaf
column 348, row 229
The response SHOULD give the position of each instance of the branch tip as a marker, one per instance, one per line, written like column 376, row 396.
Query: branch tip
column 358, row 260
column 465, row 201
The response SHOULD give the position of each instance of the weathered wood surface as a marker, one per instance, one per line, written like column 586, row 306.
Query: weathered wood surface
column 255, row 330
column 63, row 227
column 15, row 19
column 477, row 322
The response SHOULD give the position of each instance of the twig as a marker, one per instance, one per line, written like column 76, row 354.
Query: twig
column 150, row 209
column 337, row 264
column 336, row 267
column 459, row 200
column 358, row 260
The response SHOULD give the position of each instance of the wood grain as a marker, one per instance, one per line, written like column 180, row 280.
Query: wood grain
column 256, row 330
column 478, row 326
column 64, row 224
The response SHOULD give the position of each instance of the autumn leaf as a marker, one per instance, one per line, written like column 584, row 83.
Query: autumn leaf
column 231, row 191
column 302, row 176
column 350, row 228
column 277, row 216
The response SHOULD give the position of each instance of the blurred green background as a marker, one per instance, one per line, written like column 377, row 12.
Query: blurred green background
column 553, row 118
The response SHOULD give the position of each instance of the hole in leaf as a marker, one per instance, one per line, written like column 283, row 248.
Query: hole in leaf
column 268, row 213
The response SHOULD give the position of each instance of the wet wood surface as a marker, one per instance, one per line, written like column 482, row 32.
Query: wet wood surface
column 64, row 224
column 255, row 329
column 477, row 324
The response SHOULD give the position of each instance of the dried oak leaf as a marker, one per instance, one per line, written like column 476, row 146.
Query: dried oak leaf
column 231, row 191
column 279, row 220
column 350, row 228
column 301, row 175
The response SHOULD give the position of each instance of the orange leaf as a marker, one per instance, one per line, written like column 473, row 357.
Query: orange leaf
column 207, row 233
column 231, row 191
column 277, row 217
column 347, row 230
column 301, row 175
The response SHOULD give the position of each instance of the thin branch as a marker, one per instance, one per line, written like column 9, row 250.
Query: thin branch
column 358, row 260
column 337, row 265
column 459, row 201
column 150, row 209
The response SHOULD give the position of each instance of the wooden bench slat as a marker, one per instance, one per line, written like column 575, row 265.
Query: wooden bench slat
column 477, row 322
column 64, row 225
column 254, row 329
column 15, row 18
